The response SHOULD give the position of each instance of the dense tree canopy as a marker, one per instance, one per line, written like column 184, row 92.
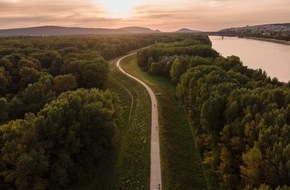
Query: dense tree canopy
column 55, row 122
column 240, row 116
column 35, row 70
column 51, row 132
column 53, row 148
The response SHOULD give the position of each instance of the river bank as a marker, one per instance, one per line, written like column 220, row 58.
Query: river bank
column 260, row 39
column 270, row 40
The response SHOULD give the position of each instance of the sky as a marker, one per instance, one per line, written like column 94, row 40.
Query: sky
column 164, row 15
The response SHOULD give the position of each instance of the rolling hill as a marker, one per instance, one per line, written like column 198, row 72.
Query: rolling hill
column 138, row 30
column 58, row 31
column 186, row 30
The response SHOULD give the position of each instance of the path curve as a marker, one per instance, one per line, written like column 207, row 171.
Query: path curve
column 155, row 169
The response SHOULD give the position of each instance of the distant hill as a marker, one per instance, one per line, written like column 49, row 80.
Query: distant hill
column 186, row 30
column 137, row 29
column 58, row 31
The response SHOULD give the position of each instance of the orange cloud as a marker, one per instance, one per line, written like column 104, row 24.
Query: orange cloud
column 167, row 15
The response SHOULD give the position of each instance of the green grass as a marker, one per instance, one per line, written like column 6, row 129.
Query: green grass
column 181, row 163
column 128, row 165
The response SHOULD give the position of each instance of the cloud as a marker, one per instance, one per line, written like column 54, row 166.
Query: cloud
column 213, row 14
column 40, row 13
column 166, row 15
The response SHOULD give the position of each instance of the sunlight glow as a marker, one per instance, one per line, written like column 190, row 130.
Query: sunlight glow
column 118, row 8
column 9, row 1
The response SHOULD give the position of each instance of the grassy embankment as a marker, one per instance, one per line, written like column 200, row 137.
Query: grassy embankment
column 128, row 165
column 181, row 164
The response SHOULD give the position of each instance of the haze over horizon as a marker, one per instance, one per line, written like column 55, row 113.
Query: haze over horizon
column 164, row 15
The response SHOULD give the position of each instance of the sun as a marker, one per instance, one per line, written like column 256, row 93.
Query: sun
column 119, row 8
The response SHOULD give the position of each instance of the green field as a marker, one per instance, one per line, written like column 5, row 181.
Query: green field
column 181, row 164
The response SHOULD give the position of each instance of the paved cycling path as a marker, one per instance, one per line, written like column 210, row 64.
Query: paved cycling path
column 155, row 169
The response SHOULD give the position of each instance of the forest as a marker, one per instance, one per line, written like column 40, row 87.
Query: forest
column 57, row 118
column 240, row 116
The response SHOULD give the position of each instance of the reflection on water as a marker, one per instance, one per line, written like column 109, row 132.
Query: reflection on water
column 272, row 57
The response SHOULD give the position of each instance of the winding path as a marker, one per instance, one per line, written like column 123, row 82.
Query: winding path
column 155, row 169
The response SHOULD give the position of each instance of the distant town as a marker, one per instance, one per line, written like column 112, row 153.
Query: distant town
column 273, row 31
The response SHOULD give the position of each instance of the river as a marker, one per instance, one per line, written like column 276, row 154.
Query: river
column 271, row 57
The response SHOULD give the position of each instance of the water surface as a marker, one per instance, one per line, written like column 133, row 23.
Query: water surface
column 271, row 57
